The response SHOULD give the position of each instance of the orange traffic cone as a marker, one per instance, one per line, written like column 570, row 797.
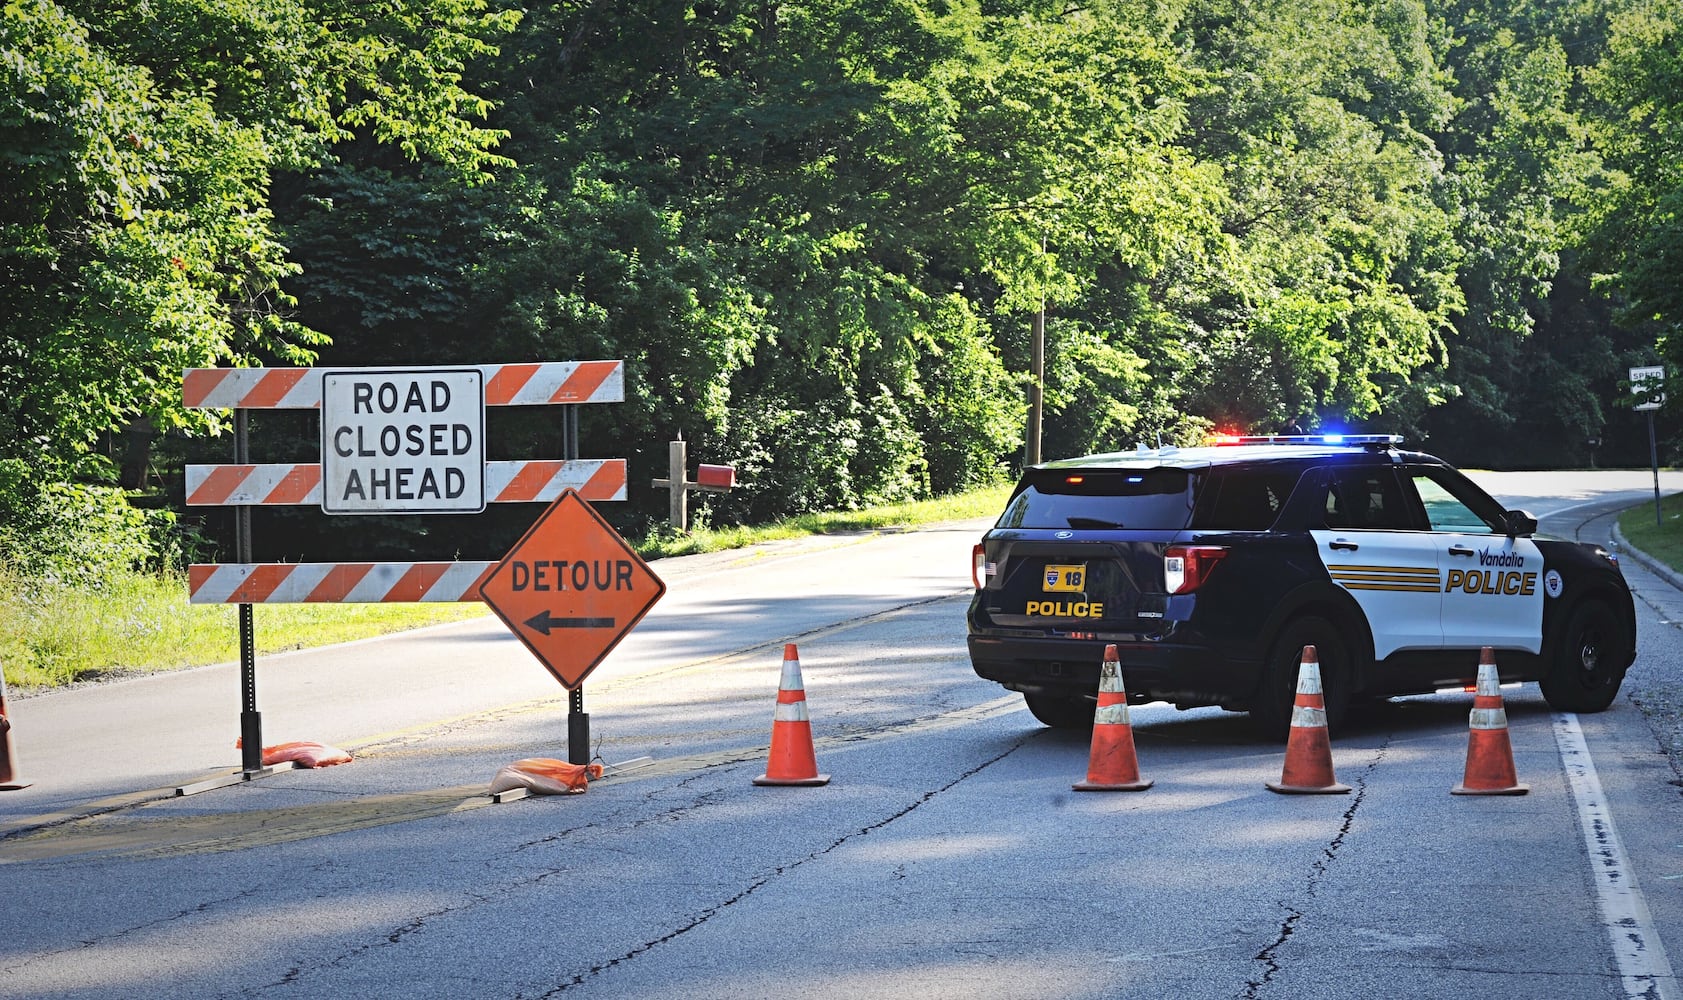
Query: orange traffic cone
column 1111, row 764
column 8, row 771
column 1308, row 769
column 1490, row 756
column 792, row 761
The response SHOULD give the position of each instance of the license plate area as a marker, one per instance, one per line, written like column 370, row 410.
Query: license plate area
column 1064, row 578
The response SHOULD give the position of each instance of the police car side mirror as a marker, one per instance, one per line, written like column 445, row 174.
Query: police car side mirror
column 1518, row 522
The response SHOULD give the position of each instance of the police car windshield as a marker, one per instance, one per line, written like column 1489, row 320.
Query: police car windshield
column 1109, row 499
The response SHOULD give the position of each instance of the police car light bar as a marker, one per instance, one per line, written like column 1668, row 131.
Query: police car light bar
column 1349, row 439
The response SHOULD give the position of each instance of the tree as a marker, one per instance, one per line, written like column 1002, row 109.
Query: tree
column 137, row 146
column 1340, row 287
column 1638, row 235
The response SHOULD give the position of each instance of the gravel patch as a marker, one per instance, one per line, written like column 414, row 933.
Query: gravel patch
column 1659, row 696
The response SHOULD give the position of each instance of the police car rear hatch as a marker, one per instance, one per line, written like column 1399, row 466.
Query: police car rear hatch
column 1080, row 551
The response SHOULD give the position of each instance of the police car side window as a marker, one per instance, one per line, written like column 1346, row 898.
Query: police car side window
column 1448, row 512
column 1248, row 499
column 1365, row 499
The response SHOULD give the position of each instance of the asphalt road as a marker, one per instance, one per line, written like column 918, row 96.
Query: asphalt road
column 947, row 857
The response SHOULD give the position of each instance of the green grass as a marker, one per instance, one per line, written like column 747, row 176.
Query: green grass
column 56, row 635
column 1663, row 541
column 139, row 623
column 981, row 503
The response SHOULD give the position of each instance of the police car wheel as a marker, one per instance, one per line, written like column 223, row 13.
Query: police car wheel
column 1587, row 662
column 1271, row 708
column 1061, row 713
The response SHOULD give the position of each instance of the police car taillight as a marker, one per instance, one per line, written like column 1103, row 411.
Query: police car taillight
column 980, row 569
column 1186, row 567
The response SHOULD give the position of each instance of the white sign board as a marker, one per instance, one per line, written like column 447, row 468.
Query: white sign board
column 1645, row 384
column 407, row 440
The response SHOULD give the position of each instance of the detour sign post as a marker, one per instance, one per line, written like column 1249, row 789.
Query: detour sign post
column 571, row 589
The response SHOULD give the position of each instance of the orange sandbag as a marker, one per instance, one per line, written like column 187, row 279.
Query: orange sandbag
column 302, row 752
column 545, row 776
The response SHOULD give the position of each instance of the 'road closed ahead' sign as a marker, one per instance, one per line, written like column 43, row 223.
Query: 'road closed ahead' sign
column 408, row 441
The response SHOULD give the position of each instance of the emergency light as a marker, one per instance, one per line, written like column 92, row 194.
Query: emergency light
column 1323, row 439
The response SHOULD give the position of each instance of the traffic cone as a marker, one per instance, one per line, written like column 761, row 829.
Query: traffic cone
column 1490, row 756
column 8, row 770
column 1112, row 765
column 792, row 761
column 1308, row 769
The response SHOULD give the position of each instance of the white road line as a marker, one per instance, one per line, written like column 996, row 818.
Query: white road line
column 1637, row 947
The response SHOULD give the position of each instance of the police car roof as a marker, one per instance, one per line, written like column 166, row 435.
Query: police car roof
column 1242, row 451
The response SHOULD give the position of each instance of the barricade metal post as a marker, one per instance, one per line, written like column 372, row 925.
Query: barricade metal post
column 251, row 722
column 578, row 720
column 578, row 728
column 570, row 433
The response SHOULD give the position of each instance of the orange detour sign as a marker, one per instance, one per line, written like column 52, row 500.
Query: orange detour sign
column 571, row 589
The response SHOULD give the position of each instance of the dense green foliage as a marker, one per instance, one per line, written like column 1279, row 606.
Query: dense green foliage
column 817, row 232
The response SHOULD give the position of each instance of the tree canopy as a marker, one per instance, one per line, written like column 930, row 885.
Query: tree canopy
column 817, row 232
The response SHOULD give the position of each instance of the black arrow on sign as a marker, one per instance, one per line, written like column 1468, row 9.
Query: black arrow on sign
column 542, row 622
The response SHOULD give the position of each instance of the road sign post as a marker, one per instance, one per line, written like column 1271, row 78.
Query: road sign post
column 251, row 721
column 1647, row 383
column 570, row 589
column 1654, row 463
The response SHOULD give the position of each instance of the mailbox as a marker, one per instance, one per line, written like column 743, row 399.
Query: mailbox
column 717, row 476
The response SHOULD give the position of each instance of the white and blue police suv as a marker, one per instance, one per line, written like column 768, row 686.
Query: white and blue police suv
column 1211, row 568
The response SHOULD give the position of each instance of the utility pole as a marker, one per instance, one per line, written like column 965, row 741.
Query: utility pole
column 1037, row 366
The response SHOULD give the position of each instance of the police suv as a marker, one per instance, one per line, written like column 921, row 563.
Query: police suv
column 1211, row 568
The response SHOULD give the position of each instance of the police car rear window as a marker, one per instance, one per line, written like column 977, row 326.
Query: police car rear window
column 1103, row 500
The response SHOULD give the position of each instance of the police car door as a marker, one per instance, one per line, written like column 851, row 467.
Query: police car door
column 1372, row 547
column 1492, row 583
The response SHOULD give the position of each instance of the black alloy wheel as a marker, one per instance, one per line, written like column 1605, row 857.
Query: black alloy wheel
column 1587, row 664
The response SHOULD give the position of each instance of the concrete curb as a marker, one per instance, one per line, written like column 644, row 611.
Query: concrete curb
column 1647, row 561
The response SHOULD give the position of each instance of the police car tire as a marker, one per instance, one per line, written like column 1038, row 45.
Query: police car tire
column 1587, row 664
column 1271, row 710
column 1059, row 712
